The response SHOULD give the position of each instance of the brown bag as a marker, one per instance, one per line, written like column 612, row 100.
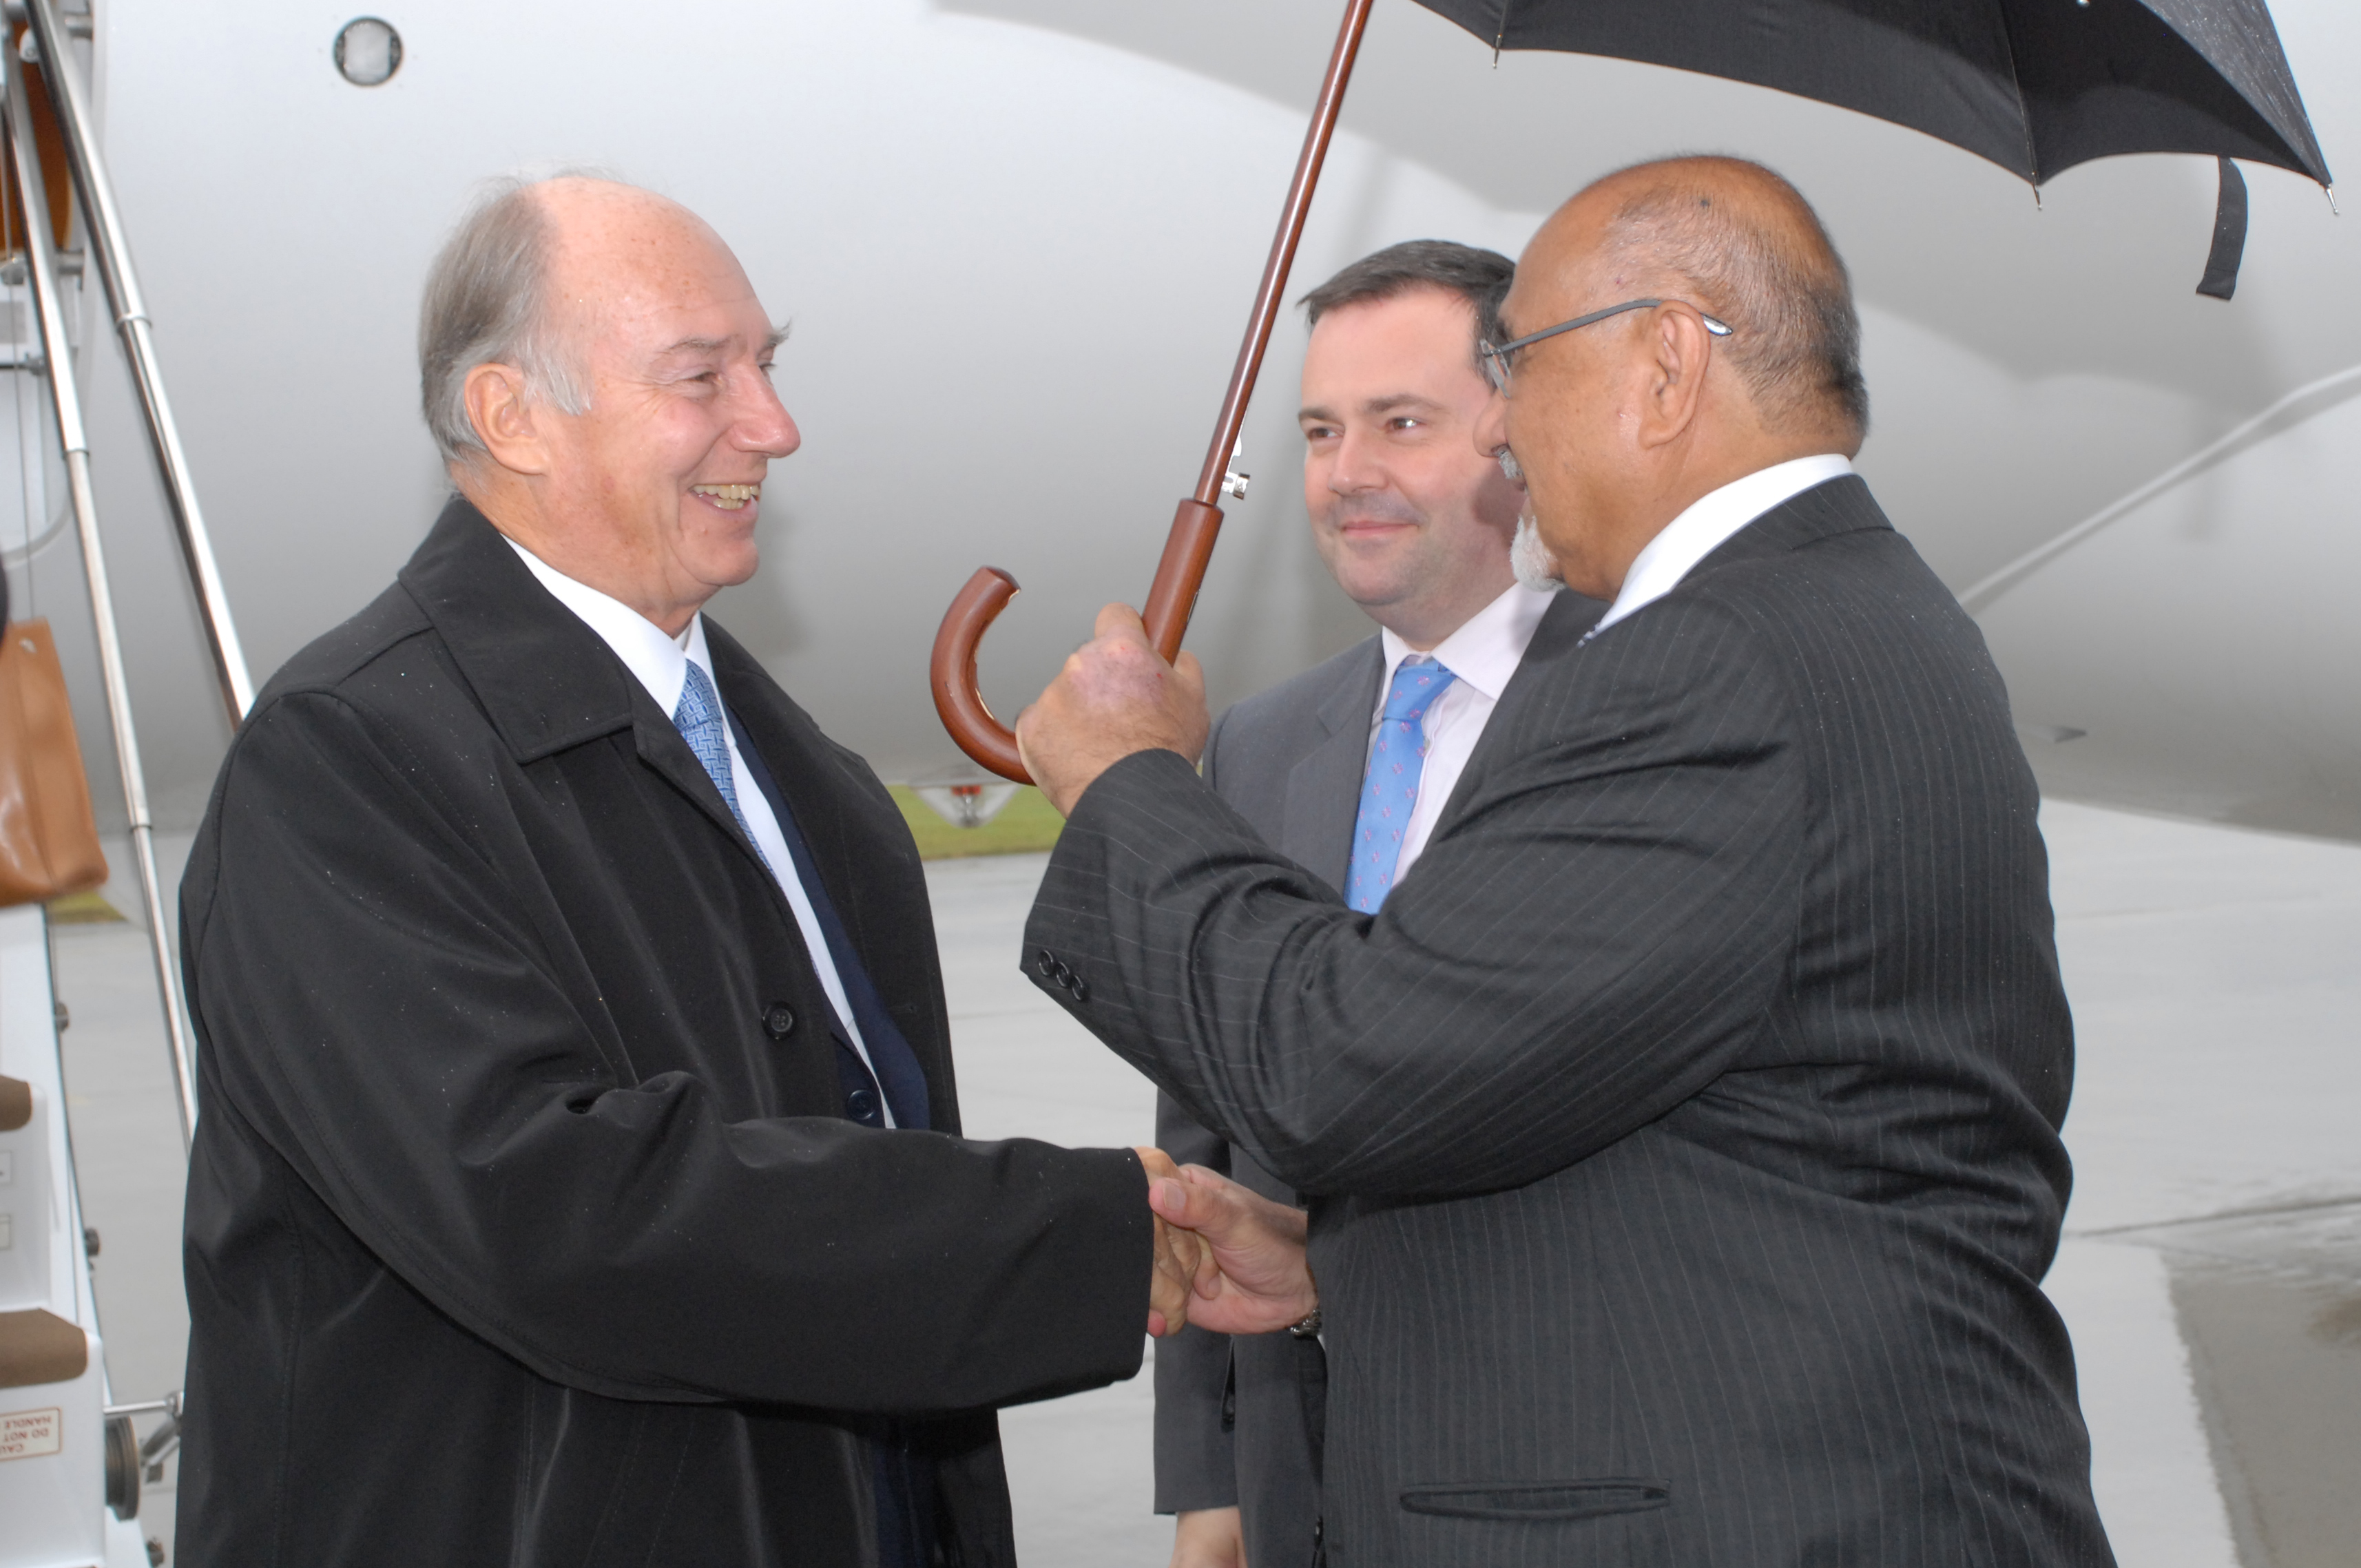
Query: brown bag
column 49, row 842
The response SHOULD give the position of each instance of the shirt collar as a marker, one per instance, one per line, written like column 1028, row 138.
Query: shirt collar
column 659, row 661
column 1484, row 650
column 1708, row 523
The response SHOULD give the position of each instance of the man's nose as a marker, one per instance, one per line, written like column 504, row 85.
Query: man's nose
column 1492, row 427
column 1358, row 466
column 764, row 425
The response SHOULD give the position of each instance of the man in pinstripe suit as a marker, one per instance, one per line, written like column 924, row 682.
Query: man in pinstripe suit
column 1682, row 1132
column 1414, row 523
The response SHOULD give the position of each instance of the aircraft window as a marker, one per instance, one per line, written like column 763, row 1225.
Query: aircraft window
column 368, row 51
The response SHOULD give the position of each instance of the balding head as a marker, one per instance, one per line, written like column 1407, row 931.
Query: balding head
column 494, row 294
column 1746, row 246
column 1621, row 425
column 1740, row 243
column 597, row 370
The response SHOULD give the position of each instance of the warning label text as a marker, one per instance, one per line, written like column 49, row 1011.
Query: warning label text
column 26, row 1435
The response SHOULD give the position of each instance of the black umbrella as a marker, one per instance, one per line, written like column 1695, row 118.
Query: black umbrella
column 2037, row 86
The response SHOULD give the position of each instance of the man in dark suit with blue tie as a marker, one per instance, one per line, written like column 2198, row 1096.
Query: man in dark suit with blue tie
column 1344, row 769
column 1681, row 1135
column 578, row 1178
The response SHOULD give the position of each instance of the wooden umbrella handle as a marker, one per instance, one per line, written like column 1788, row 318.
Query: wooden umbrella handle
column 1190, row 546
column 951, row 669
column 958, row 701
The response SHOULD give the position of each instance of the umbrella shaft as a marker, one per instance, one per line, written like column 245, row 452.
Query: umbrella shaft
column 1283, row 254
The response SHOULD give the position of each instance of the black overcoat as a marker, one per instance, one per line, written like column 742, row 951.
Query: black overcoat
column 516, row 1235
column 1683, row 1133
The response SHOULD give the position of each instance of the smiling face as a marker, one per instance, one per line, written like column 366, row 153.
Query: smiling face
column 1411, row 517
column 652, row 496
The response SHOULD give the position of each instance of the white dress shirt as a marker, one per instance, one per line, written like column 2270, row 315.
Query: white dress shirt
column 661, row 662
column 1484, row 653
column 1710, row 522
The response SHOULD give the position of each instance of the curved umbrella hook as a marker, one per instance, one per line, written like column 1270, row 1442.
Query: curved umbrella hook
column 1188, row 548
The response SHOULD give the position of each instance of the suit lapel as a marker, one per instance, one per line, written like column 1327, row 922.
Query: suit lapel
column 546, row 681
column 1842, row 505
column 662, row 746
column 851, row 830
column 1556, row 640
column 795, row 752
column 861, row 850
column 543, row 678
column 1323, row 787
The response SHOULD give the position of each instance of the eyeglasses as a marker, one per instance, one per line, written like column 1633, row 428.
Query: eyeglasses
column 1497, row 362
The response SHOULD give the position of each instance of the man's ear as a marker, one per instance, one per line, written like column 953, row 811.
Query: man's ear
column 506, row 421
column 1679, row 350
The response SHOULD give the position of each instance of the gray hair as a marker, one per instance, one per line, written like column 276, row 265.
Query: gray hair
column 487, row 303
column 1479, row 277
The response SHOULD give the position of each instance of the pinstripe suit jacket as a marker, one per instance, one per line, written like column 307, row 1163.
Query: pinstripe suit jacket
column 1239, row 1422
column 1684, row 1130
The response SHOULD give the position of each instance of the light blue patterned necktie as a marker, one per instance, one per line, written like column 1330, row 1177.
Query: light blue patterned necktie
column 1389, row 789
column 699, row 717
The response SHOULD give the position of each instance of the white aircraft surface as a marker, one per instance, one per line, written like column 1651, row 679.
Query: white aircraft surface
column 1016, row 239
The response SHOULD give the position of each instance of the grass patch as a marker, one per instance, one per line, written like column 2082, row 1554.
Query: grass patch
column 82, row 909
column 1028, row 825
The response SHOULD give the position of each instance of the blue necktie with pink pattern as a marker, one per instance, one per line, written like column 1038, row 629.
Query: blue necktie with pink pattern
column 1389, row 789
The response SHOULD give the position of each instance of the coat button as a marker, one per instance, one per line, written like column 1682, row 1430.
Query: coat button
column 1065, row 978
column 861, row 1106
column 1081, row 989
column 778, row 1019
column 1044, row 963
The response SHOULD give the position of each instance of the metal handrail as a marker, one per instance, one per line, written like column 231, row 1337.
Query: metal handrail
column 40, row 266
column 71, row 98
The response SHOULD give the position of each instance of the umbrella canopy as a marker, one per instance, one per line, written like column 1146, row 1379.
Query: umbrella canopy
column 2037, row 86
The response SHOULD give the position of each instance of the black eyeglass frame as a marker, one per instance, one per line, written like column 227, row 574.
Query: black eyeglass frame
column 1496, row 360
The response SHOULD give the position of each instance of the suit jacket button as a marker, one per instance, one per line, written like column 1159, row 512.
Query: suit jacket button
column 861, row 1106
column 1044, row 963
column 1081, row 989
column 1065, row 978
column 778, row 1018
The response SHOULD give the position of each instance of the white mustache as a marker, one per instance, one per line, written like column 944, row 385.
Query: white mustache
column 1531, row 559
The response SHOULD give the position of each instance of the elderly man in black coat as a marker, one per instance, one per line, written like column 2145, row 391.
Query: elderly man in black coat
column 1682, row 1135
column 579, row 1179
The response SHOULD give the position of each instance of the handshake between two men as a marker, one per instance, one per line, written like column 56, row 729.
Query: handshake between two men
column 1227, row 1258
